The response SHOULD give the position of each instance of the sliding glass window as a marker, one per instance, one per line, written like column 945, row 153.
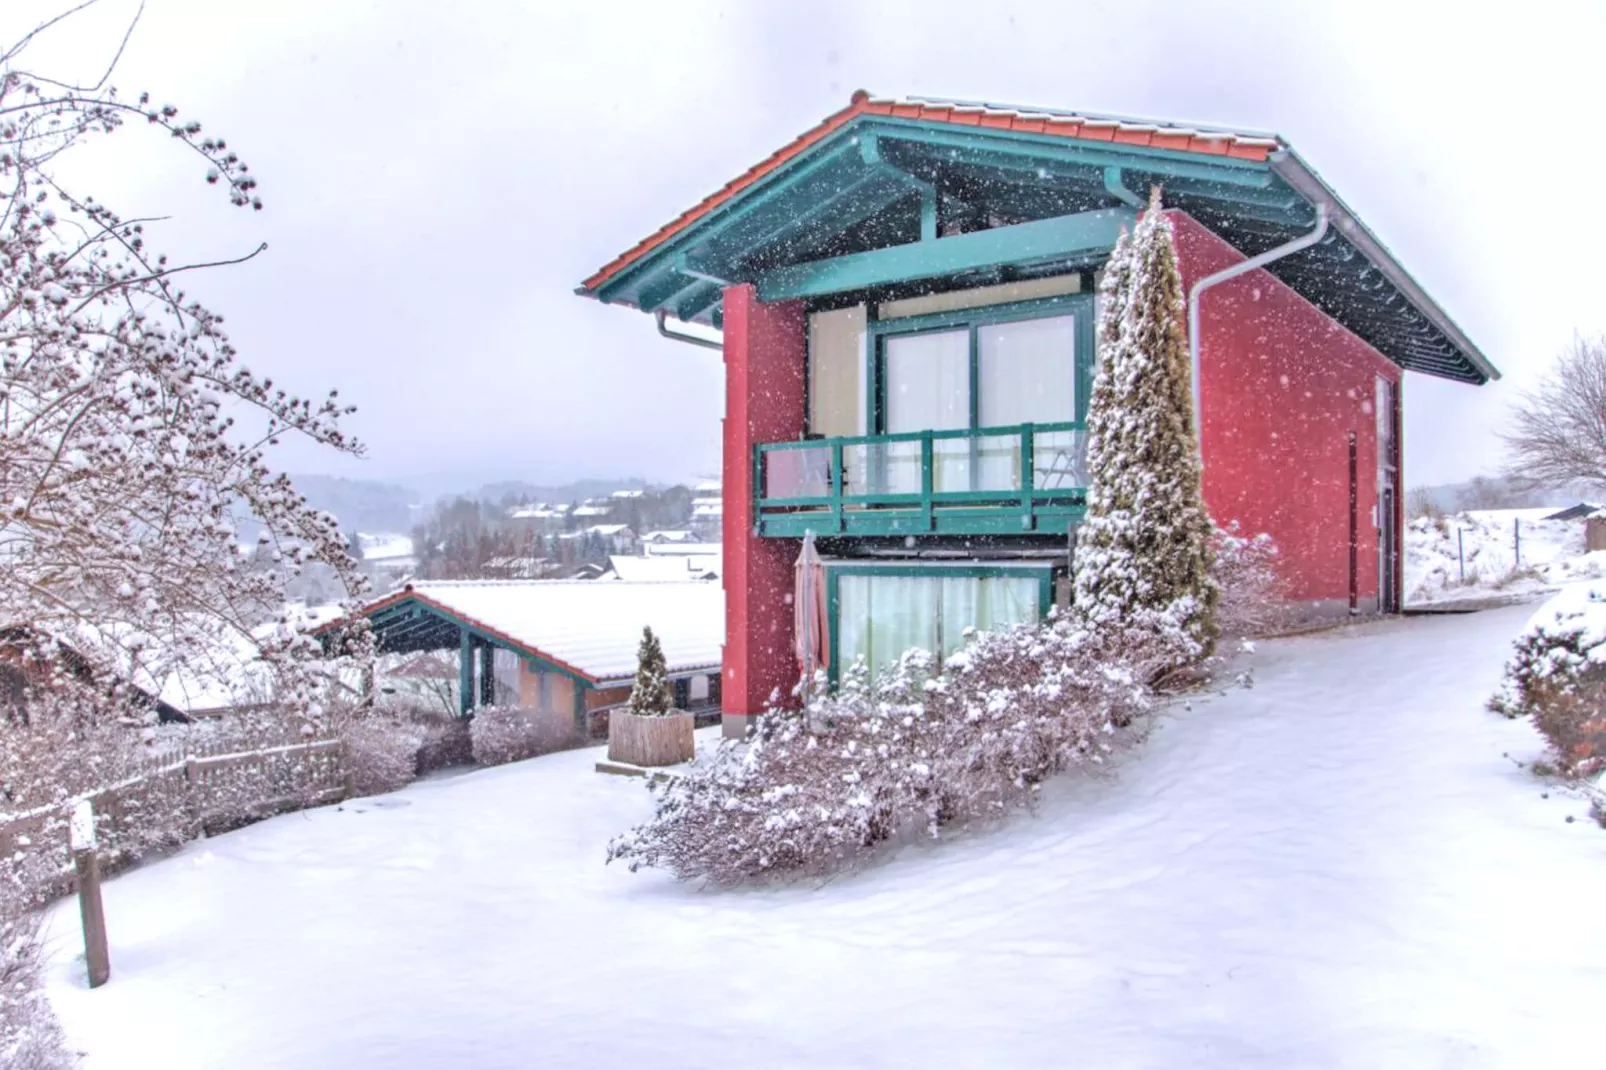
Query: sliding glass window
column 879, row 617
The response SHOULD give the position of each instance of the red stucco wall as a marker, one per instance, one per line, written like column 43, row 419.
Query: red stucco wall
column 764, row 362
column 1282, row 387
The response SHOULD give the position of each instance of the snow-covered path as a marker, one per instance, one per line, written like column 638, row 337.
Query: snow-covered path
column 1334, row 869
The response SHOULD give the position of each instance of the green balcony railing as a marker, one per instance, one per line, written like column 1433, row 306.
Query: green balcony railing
column 990, row 480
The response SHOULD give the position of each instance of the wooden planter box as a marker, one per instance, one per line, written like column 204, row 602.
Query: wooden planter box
column 650, row 741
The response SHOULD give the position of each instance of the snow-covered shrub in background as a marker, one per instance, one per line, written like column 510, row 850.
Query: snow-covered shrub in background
column 1557, row 676
column 1247, row 571
column 381, row 751
column 921, row 749
column 1143, row 553
column 503, row 734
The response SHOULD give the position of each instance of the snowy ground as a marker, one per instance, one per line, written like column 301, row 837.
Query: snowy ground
column 1334, row 869
column 1476, row 554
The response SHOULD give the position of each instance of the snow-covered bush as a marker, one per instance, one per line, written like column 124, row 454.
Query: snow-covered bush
column 30, row 1038
column 651, row 695
column 1557, row 676
column 1143, row 553
column 445, row 739
column 502, row 734
column 1247, row 571
column 921, row 749
column 381, row 751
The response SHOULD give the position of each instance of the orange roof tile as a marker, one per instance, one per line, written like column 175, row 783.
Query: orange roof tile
column 1146, row 133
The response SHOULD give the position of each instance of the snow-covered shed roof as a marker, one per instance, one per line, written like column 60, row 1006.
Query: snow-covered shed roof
column 590, row 629
column 672, row 535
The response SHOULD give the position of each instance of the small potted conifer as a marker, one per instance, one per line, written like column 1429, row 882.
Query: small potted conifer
column 649, row 731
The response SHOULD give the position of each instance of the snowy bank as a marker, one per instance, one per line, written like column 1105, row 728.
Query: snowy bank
column 1483, row 551
column 1335, row 869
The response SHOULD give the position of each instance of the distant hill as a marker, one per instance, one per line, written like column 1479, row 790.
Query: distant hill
column 579, row 490
column 1497, row 492
column 362, row 504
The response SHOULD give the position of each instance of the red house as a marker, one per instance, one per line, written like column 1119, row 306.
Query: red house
column 907, row 297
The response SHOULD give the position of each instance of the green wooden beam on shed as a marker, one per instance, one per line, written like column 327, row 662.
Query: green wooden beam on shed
column 465, row 671
column 582, row 724
column 1044, row 239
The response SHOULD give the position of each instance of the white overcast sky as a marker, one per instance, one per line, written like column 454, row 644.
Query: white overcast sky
column 439, row 176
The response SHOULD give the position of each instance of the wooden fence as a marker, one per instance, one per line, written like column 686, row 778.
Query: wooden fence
column 170, row 799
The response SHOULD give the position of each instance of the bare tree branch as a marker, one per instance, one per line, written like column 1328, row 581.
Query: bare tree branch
column 1558, row 429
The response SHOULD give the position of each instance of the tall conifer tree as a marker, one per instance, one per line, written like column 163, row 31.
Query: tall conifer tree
column 1143, row 554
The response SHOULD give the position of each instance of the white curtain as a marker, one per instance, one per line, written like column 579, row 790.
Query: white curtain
column 1026, row 373
column 881, row 617
column 928, row 389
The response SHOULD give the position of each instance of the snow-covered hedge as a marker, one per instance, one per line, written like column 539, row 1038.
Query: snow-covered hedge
column 144, row 797
column 917, row 751
column 30, row 1038
column 1557, row 676
column 503, row 734
column 382, row 751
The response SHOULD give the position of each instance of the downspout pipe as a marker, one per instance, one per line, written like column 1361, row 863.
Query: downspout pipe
column 679, row 336
column 1304, row 241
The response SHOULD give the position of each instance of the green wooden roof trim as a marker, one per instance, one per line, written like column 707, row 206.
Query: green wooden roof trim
column 861, row 208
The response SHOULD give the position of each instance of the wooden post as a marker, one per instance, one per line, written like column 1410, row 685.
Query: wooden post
column 465, row 672
column 90, row 907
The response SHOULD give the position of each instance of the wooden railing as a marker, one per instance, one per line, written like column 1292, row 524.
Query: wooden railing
column 984, row 480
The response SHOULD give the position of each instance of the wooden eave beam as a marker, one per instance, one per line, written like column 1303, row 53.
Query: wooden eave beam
column 1044, row 239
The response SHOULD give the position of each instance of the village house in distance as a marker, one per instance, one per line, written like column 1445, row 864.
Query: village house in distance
column 907, row 299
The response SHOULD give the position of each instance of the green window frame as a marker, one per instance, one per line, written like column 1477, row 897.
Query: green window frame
column 835, row 570
column 1079, row 305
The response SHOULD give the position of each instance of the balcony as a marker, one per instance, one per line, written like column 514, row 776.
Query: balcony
column 1024, row 479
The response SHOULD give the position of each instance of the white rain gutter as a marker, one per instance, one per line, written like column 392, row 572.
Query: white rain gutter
column 1304, row 241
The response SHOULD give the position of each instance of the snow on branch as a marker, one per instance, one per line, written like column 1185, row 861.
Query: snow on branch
column 123, row 464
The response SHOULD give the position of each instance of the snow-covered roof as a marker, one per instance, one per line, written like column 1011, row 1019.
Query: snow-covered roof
column 539, row 512
column 626, row 494
column 591, row 510
column 684, row 549
column 379, row 546
column 661, row 568
column 592, row 628
column 674, row 535
column 608, row 529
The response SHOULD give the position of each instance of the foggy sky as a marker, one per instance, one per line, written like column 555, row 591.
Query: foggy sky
column 439, row 177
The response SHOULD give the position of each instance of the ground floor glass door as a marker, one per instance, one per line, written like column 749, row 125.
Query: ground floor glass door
column 881, row 616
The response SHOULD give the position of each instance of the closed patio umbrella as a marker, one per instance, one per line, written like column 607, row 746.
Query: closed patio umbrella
column 809, row 625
